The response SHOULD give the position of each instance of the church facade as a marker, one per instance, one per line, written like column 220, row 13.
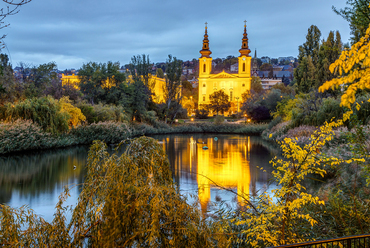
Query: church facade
column 234, row 85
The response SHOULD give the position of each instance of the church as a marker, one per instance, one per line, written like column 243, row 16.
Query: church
column 234, row 85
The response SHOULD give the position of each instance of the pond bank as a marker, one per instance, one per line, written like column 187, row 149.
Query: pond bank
column 22, row 135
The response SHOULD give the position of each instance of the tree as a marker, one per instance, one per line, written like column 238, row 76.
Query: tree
column 140, row 67
column 256, row 85
column 330, row 50
column 271, row 73
column 172, row 94
column 219, row 102
column 305, row 73
column 260, row 113
column 358, row 16
column 126, row 200
column 10, row 91
column 159, row 73
column 37, row 79
column 96, row 80
column 265, row 67
column 353, row 67
column 136, row 100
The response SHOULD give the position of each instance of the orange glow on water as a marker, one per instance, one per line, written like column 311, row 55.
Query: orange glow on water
column 224, row 165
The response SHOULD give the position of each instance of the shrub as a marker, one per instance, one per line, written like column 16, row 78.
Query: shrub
column 102, row 112
column 76, row 116
column 201, row 114
column 45, row 111
column 219, row 119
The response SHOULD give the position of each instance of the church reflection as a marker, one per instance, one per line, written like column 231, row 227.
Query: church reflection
column 230, row 161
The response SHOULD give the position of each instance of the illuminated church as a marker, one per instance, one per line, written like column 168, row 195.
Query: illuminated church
column 234, row 85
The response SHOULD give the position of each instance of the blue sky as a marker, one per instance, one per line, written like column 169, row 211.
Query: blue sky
column 73, row 32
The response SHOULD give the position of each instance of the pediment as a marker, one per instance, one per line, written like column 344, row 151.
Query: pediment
column 223, row 75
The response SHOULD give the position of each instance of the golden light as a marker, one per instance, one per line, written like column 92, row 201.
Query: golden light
column 249, row 120
column 192, row 119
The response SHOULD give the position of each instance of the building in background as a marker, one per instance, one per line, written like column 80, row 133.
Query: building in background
column 234, row 85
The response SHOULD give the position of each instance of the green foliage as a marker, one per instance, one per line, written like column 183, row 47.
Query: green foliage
column 9, row 90
column 137, row 100
column 256, row 85
column 284, row 108
column 201, row 113
column 45, row 111
column 358, row 17
column 219, row 102
column 102, row 112
column 140, row 69
column 96, row 80
column 312, row 109
column 37, row 79
column 159, row 73
column 219, row 119
column 315, row 58
column 172, row 94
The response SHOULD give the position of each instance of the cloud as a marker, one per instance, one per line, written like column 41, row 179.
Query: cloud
column 75, row 32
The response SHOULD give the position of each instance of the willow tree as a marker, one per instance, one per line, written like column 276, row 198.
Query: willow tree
column 127, row 200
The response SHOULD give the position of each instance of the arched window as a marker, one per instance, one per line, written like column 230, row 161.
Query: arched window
column 231, row 96
column 243, row 66
column 243, row 85
column 204, row 85
column 204, row 98
column 204, row 67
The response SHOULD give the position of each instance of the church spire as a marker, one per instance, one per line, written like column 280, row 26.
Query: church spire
column 244, row 51
column 205, row 50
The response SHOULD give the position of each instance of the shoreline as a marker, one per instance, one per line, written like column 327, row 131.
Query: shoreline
column 24, row 135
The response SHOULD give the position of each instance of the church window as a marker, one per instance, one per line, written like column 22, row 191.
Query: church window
column 243, row 85
column 204, row 98
column 231, row 95
column 243, row 66
column 204, row 68
column 204, row 85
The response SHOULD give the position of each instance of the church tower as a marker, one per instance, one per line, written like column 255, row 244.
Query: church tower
column 205, row 61
column 244, row 58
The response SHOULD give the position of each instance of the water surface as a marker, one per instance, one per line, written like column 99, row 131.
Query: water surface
column 36, row 179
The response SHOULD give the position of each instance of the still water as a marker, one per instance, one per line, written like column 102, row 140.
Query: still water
column 36, row 179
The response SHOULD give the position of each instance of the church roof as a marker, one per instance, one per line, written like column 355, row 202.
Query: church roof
column 223, row 75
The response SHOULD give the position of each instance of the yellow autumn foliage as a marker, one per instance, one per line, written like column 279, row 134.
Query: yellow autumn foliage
column 353, row 66
column 76, row 116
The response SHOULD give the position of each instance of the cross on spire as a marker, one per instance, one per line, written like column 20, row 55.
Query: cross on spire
column 245, row 23
column 206, row 24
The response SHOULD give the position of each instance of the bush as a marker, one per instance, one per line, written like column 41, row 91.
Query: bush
column 201, row 114
column 21, row 135
column 102, row 112
column 219, row 119
column 45, row 111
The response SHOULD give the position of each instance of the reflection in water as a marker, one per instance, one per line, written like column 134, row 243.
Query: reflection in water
column 230, row 161
column 37, row 179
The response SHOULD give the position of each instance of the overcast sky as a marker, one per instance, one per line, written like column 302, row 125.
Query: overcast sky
column 72, row 32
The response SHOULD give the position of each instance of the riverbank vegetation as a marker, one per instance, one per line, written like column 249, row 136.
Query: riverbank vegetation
column 320, row 121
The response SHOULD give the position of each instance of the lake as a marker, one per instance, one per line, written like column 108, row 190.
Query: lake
column 37, row 178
